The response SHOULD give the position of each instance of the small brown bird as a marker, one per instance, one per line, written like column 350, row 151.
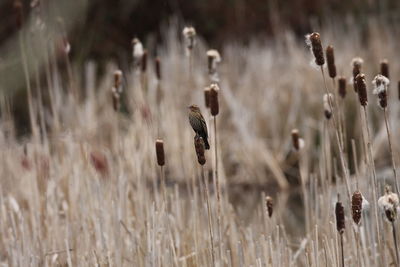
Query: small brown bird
column 198, row 124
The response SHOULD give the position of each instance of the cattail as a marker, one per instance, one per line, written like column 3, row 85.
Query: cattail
column 137, row 51
column 381, row 83
column 213, row 58
column 330, row 59
column 327, row 107
column 99, row 162
column 389, row 204
column 298, row 143
column 199, row 147
column 313, row 40
column 189, row 33
column 356, row 206
column 339, row 211
column 118, row 81
column 18, row 13
column 398, row 89
column 143, row 63
column 270, row 205
column 342, row 86
column 160, row 152
column 357, row 64
column 362, row 89
column 158, row 68
column 385, row 68
column 213, row 99
column 116, row 99
column 207, row 97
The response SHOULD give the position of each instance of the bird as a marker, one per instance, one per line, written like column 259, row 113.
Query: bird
column 198, row 124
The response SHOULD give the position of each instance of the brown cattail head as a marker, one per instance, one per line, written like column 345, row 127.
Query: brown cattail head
column 398, row 89
column 199, row 147
column 357, row 64
column 327, row 99
column 296, row 139
column 158, row 68
column 339, row 211
column 213, row 99
column 356, row 206
column 314, row 41
column 270, row 205
column 18, row 11
column 207, row 96
column 330, row 59
column 362, row 89
column 342, row 87
column 160, row 152
column 143, row 63
column 385, row 68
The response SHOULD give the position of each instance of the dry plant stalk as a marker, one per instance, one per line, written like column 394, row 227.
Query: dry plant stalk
column 143, row 62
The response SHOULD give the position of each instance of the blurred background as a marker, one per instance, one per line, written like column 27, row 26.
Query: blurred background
column 102, row 30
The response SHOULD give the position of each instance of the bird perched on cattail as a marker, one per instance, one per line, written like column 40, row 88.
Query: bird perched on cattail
column 198, row 124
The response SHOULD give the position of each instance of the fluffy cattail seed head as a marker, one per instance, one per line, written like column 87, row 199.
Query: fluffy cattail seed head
column 340, row 222
column 381, row 84
column 298, row 143
column 199, row 147
column 362, row 89
column 143, row 63
column 158, row 68
column 270, row 205
column 160, row 152
column 327, row 107
column 389, row 204
column 207, row 96
column 356, row 206
column 213, row 99
column 118, row 80
column 342, row 87
column 137, row 51
column 357, row 64
column 385, row 68
column 330, row 58
column 190, row 34
column 313, row 40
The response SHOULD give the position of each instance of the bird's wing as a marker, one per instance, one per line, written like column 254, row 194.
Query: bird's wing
column 204, row 124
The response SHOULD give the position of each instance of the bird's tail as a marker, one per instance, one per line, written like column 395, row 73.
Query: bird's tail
column 206, row 144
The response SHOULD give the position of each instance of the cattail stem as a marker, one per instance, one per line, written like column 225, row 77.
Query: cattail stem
column 391, row 149
column 209, row 215
column 342, row 250
column 28, row 86
column 375, row 185
column 395, row 243
column 217, row 185
column 341, row 153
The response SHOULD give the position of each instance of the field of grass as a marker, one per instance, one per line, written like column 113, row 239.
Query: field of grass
column 85, row 189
